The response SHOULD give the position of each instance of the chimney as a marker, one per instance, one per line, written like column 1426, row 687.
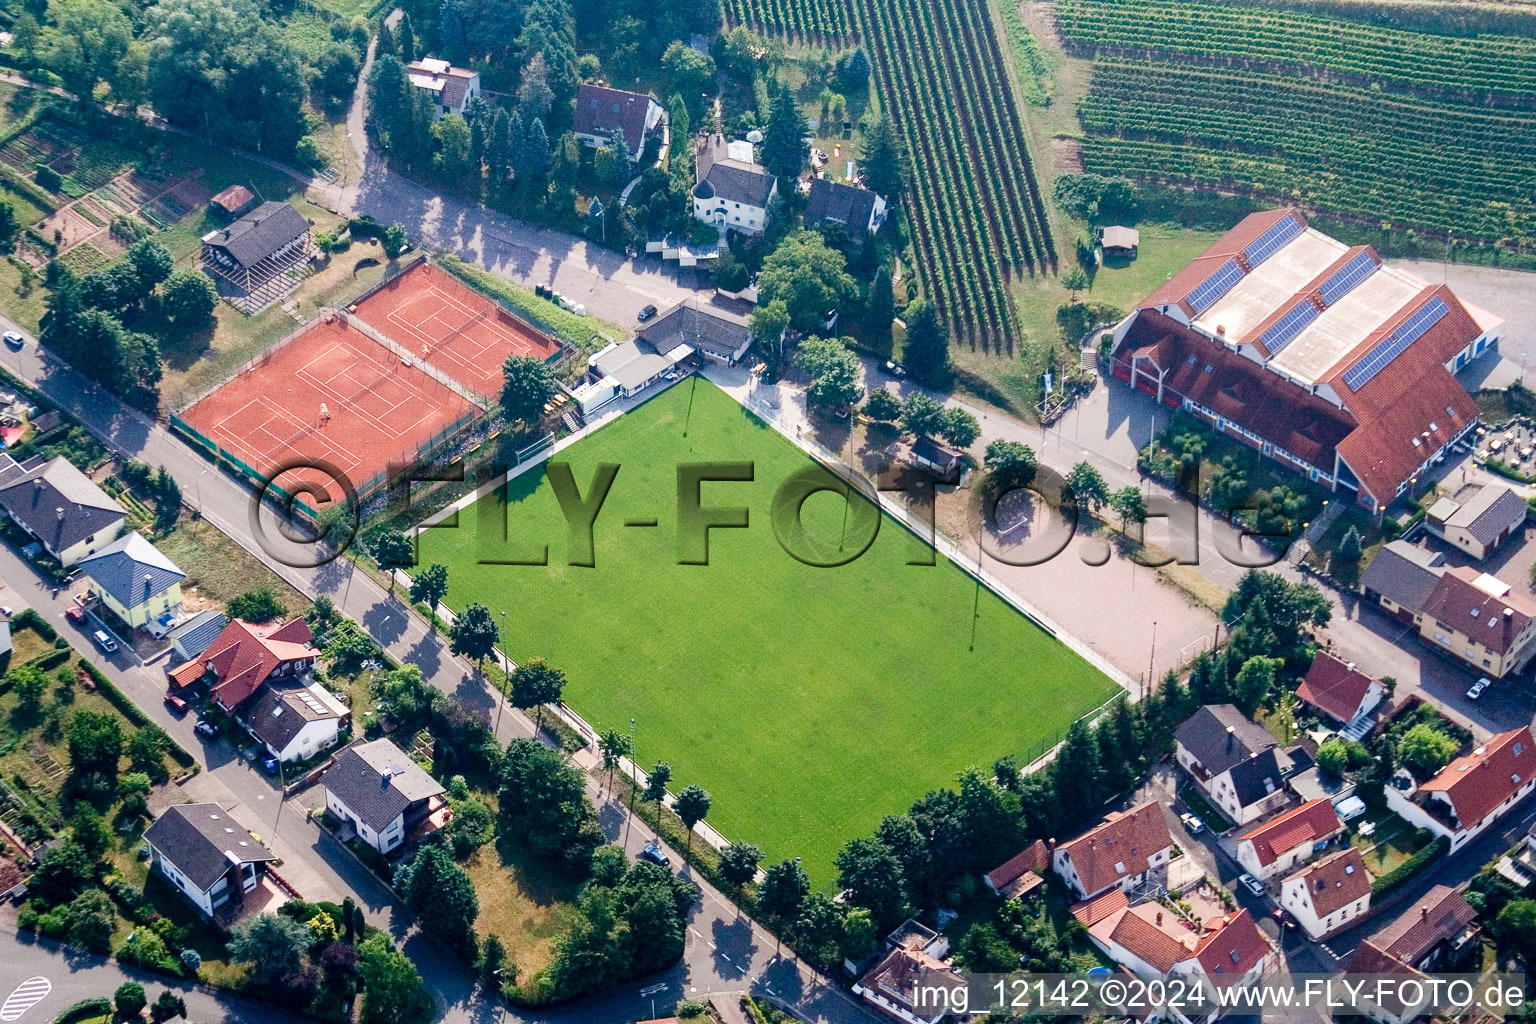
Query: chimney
column 1424, row 911
column 60, row 513
column 1229, row 739
column 1159, row 918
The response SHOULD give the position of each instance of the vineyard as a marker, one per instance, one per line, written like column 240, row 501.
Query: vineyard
column 822, row 21
column 1426, row 132
column 978, row 218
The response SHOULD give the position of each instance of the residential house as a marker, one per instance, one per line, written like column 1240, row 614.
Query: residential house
column 200, row 850
column 1434, row 934
column 1370, row 958
column 59, row 507
column 451, row 88
column 600, row 112
column 235, row 201
column 260, row 257
column 382, row 794
column 1327, row 895
column 1336, row 689
column 194, row 636
column 245, row 656
column 1128, row 851
column 914, row 961
column 1401, row 577
column 1315, row 353
column 1021, row 875
column 139, row 584
column 729, row 193
column 858, row 210
column 1149, row 938
column 715, row 328
column 296, row 723
column 1236, row 763
column 1480, row 524
column 1472, row 792
column 1278, row 846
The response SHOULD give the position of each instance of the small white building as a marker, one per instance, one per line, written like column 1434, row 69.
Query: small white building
column 1479, row 525
column 1278, row 847
column 200, row 850
column 1472, row 792
column 1127, row 851
column 1235, row 762
column 1326, row 896
column 382, row 794
column 451, row 88
column 294, row 724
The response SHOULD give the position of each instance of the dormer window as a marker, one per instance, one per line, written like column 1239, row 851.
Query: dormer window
column 1519, row 749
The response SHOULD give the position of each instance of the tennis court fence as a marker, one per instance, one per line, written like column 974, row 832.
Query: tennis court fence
column 366, row 329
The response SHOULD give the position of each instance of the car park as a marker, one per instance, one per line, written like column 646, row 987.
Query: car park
column 15, row 339
column 104, row 641
column 1252, row 884
column 1476, row 689
column 655, row 855
column 1194, row 824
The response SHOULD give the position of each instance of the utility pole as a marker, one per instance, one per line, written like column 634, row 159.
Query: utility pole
column 1151, row 659
column 634, row 781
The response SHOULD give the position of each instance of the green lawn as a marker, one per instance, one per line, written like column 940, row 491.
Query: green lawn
column 808, row 701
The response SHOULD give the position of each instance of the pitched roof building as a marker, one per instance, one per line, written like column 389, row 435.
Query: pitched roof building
column 1339, row 690
column 294, row 723
column 451, row 88
column 1128, row 850
column 1363, row 355
column 716, row 329
column 1434, row 933
column 857, row 209
column 133, row 578
column 1022, row 873
column 1482, row 522
column 1328, row 894
column 254, row 259
column 58, row 506
column 244, row 656
column 380, row 792
column 600, row 111
column 1281, row 844
column 205, row 854
column 731, row 193
column 1473, row 791
column 1237, row 763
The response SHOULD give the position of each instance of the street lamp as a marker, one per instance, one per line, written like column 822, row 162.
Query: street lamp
column 634, row 780
column 200, row 491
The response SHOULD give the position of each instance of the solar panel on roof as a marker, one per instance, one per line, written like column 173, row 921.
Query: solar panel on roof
column 1283, row 331
column 1351, row 274
column 1214, row 287
column 1270, row 242
column 1372, row 363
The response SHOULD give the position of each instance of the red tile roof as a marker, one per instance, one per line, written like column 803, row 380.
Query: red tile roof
column 1480, row 781
column 1312, row 821
column 1335, row 881
column 1440, row 915
column 1156, row 945
column 1120, row 847
column 1235, row 948
column 1021, row 872
column 1243, row 234
column 243, row 656
column 1091, row 912
column 1458, row 602
column 1334, row 686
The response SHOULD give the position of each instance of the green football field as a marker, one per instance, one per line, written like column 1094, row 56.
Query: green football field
column 809, row 701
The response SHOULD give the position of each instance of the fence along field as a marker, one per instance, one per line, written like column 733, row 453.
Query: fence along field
column 1425, row 131
column 978, row 219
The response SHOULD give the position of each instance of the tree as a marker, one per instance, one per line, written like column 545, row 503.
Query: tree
column 692, row 807
column 168, row 1005
column 687, row 70
column 129, row 1000
column 392, row 238
column 818, row 930
column 472, row 826
column 474, row 633
column 1255, row 680
column 95, row 744
column 871, row 876
column 880, row 307
column 493, row 963
column 498, row 146
column 1074, row 281
column 809, row 277
column 853, row 71
column 885, row 162
column 29, row 684
column 1085, row 196
column 614, row 746
column 959, row 427
column 8, row 227
column 543, row 798
column 1516, row 929
column 443, row 897
column 1129, row 506
column 1333, row 757
column 768, row 321
column 133, row 791
column 451, row 133
column 784, row 148
column 392, row 989
column 922, row 415
column 528, row 385
column 258, row 605
column 392, row 550
column 336, row 71
column 1424, row 750
column 882, row 405
column 1088, row 486
column 926, row 352
column 430, row 586
column 1010, row 464
column 85, row 42
column 533, row 684
column 834, row 371
column 738, row 864
column 272, row 945
column 1348, row 551
column 1270, row 615
column 784, row 888
column 88, row 921
column 64, row 872
column 656, row 783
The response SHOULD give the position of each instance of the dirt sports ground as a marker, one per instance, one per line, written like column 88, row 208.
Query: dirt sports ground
column 444, row 322
column 331, row 393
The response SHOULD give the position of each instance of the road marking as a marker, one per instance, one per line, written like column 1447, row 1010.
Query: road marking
column 25, row 996
column 695, row 933
column 651, row 990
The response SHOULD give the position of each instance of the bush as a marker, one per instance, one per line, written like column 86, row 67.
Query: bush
column 85, row 1009
column 49, row 178
column 259, row 605
column 129, row 999
column 28, row 618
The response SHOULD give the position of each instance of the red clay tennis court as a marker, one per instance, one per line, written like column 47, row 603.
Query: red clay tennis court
column 330, row 393
column 443, row 321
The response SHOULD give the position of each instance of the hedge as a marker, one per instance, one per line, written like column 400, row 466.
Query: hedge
column 28, row 618
column 85, row 1009
column 1410, row 867
column 130, row 711
column 51, row 660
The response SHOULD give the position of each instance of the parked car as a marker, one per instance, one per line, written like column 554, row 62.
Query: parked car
column 1252, row 884
column 269, row 765
column 1477, row 688
column 5, row 611
column 104, row 641
column 175, row 703
column 15, row 339
column 895, row 369
column 206, row 729
column 1194, row 824
column 1284, row 917
column 647, row 313
column 74, row 613
column 655, row 855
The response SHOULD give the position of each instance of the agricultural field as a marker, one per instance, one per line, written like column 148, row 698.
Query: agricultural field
column 978, row 218
column 808, row 701
column 1429, row 131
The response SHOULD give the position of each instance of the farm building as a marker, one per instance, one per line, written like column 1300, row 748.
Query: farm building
column 1315, row 353
column 1481, row 523
column 235, row 201
column 450, row 87
column 259, row 258
column 1120, row 239
column 601, row 111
